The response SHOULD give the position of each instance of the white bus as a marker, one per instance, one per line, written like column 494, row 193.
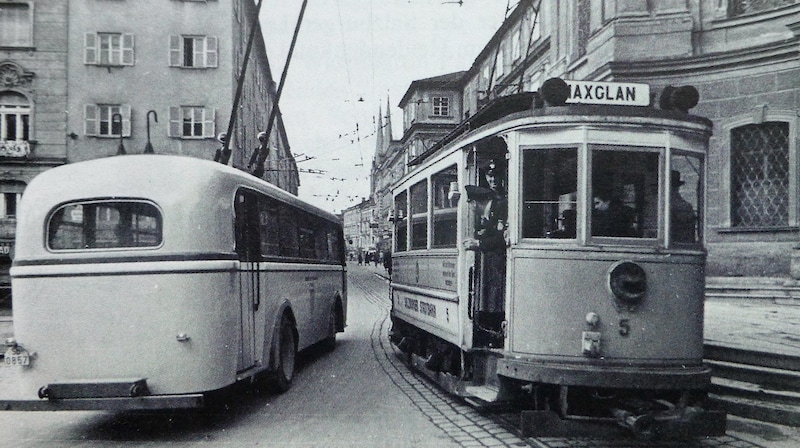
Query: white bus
column 148, row 281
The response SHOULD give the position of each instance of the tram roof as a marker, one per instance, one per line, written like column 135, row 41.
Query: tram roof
column 529, row 104
column 154, row 175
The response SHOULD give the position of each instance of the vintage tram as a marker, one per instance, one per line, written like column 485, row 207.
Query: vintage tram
column 590, row 307
column 155, row 281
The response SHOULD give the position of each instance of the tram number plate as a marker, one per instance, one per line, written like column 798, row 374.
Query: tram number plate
column 16, row 357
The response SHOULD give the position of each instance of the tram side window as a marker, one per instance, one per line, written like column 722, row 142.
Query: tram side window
column 549, row 193
column 419, row 215
column 401, row 222
column 444, row 211
column 104, row 225
column 624, row 192
column 685, row 199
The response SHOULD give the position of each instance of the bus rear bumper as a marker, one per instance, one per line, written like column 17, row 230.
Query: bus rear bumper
column 153, row 402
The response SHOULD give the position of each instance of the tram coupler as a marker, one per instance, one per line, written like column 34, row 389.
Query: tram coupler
column 677, row 423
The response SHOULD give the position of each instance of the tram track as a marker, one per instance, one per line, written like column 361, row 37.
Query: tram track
column 470, row 424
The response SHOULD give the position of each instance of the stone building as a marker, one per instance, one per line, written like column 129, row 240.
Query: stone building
column 743, row 57
column 82, row 79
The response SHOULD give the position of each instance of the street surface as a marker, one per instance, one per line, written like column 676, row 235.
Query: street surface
column 359, row 395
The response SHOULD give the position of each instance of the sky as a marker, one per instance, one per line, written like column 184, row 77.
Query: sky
column 352, row 56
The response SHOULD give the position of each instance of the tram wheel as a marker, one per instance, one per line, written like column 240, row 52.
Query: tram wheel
column 287, row 352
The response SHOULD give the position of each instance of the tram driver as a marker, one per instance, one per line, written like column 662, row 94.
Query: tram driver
column 610, row 217
column 491, row 240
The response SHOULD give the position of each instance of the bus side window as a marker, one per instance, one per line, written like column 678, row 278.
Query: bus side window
column 248, row 245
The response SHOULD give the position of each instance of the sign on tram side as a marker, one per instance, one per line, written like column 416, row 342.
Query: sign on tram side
column 609, row 93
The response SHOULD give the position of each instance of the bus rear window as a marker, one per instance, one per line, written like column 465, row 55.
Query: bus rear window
column 104, row 225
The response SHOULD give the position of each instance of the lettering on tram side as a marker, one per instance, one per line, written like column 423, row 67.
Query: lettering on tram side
column 424, row 308
column 449, row 272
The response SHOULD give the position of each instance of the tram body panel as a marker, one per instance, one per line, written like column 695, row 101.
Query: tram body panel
column 552, row 295
column 133, row 331
column 424, row 292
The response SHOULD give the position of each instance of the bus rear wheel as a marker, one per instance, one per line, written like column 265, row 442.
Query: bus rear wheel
column 285, row 357
column 329, row 343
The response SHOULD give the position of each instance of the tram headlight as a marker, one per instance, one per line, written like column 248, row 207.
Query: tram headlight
column 628, row 282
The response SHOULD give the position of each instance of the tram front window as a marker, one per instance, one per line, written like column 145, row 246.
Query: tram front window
column 549, row 193
column 624, row 192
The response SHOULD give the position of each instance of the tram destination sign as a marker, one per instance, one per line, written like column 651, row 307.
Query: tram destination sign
column 611, row 93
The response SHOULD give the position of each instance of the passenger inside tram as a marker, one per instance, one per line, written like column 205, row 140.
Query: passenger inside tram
column 683, row 220
column 610, row 216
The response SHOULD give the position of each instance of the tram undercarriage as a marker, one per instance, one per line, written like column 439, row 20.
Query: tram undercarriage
column 553, row 408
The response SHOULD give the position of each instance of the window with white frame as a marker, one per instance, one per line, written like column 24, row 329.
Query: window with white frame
column 10, row 195
column 516, row 45
column 193, row 51
column 191, row 122
column 16, row 24
column 107, row 120
column 441, row 106
column 499, row 64
column 15, row 113
column 108, row 49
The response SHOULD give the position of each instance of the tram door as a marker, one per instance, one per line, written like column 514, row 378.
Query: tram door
column 248, row 248
column 487, row 219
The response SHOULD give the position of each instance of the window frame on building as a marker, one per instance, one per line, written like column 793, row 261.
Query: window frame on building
column 760, row 116
column 118, row 53
column 208, row 57
column 177, row 122
column 22, row 29
column 441, row 106
column 96, row 116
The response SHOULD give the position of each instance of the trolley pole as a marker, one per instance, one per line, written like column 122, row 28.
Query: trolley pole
column 226, row 152
column 258, row 169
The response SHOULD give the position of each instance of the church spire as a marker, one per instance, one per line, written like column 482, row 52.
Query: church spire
column 380, row 145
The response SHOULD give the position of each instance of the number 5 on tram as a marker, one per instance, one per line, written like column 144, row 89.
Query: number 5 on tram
column 551, row 254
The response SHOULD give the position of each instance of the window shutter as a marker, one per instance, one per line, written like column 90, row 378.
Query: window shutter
column 125, row 111
column 127, row 49
column 211, row 52
column 174, row 122
column 208, row 125
column 90, row 119
column 175, row 51
column 90, row 48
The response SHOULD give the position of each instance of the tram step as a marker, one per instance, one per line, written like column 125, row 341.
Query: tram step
column 483, row 393
column 764, row 376
column 757, row 409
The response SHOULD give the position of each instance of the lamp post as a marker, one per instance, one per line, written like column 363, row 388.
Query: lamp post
column 118, row 118
column 148, row 148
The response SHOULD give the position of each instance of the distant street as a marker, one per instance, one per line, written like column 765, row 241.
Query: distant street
column 358, row 395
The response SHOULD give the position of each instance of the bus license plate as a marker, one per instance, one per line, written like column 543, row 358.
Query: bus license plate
column 16, row 358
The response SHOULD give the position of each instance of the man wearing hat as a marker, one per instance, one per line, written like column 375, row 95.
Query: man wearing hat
column 222, row 137
column 683, row 220
column 262, row 146
column 491, row 240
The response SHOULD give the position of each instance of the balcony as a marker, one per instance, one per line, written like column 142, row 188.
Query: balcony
column 15, row 148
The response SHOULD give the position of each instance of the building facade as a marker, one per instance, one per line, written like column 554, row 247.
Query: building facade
column 81, row 80
column 742, row 56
